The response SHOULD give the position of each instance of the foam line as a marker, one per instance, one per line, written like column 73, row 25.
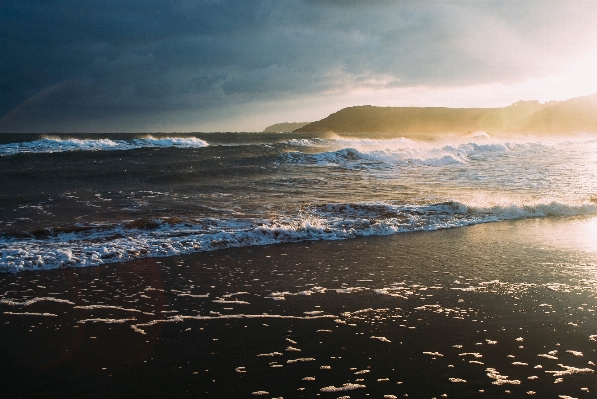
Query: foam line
column 117, row 243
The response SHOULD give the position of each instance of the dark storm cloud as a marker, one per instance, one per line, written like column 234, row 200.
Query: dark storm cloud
column 67, row 64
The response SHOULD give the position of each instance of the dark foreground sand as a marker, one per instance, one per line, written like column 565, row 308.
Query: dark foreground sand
column 496, row 310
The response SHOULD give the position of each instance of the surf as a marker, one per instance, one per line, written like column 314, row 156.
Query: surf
column 48, row 145
column 86, row 245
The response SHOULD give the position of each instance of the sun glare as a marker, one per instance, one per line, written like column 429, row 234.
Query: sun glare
column 578, row 79
column 588, row 235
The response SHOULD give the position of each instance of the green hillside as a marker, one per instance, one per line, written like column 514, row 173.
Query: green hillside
column 575, row 115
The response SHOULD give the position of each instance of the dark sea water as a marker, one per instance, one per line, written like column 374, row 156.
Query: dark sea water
column 84, row 200
column 242, row 265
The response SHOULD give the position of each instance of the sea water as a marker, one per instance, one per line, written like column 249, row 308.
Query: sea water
column 493, row 310
column 85, row 200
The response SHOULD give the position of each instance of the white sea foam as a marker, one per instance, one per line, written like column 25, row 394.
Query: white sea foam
column 301, row 359
column 111, row 307
column 345, row 387
column 500, row 379
column 307, row 142
column 30, row 314
column 233, row 302
column 35, row 300
column 548, row 356
column 569, row 370
column 52, row 145
column 352, row 158
column 105, row 321
column 179, row 319
column 117, row 243
column 575, row 353
column 178, row 142
column 474, row 354
column 353, row 153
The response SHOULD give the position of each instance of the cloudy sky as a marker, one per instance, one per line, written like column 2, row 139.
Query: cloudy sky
column 219, row 65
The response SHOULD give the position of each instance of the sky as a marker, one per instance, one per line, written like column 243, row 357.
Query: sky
column 219, row 65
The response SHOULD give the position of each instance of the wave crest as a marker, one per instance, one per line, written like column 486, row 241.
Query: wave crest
column 92, row 245
column 52, row 145
column 353, row 157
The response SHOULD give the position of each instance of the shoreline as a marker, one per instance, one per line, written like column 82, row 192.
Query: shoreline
column 388, row 315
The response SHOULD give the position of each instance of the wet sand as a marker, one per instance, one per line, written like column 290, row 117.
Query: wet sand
column 490, row 310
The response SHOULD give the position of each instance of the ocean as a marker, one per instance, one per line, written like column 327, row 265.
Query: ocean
column 86, row 200
column 243, row 265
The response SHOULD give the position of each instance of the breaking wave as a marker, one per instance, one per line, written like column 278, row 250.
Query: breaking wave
column 95, row 244
column 52, row 145
column 359, row 152
column 307, row 142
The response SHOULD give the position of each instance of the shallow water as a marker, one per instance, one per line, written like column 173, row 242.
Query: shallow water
column 488, row 310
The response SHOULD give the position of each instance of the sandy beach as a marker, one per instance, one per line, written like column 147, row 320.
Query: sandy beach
column 481, row 311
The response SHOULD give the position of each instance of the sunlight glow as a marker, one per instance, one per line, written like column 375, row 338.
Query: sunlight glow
column 578, row 78
column 588, row 235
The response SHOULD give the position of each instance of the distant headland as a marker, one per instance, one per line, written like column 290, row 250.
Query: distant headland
column 527, row 117
column 284, row 127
